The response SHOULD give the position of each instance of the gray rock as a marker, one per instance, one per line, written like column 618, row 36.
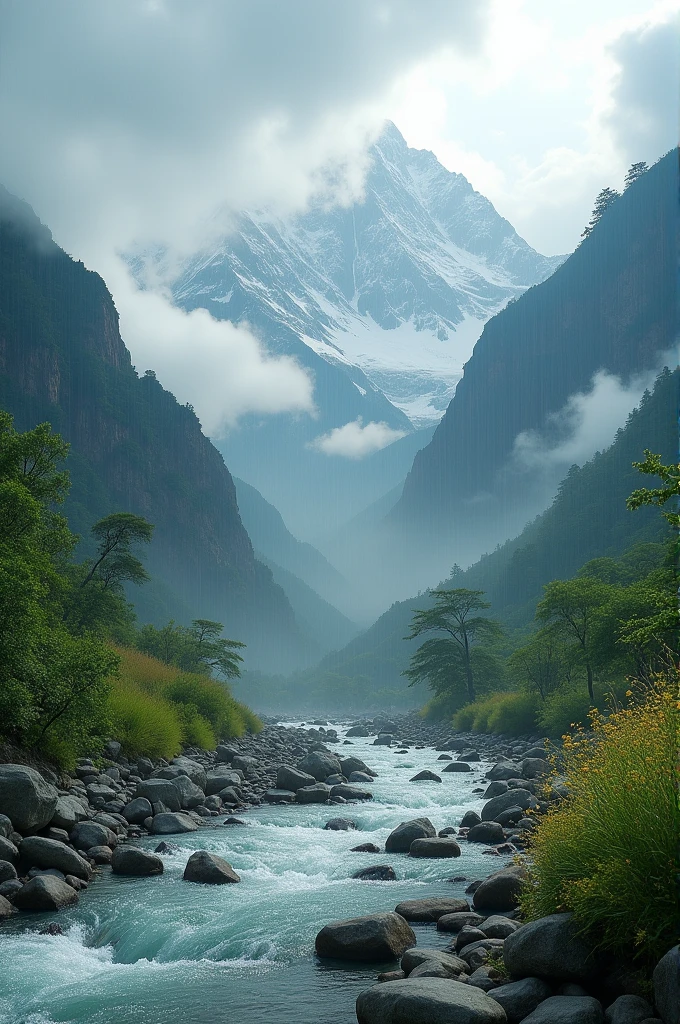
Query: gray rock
column 417, row 956
column 137, row 810
column 431, row 908
column 49, row 853
column 467, row 935
column 376, row 873
column 340, row 825
column 535, row 767
column 666, row 980
column 567, row 1010
column 384, row 739
column 170, row 823
column 6, row 827
column 510, row 816
column 7, row 871
column 100, row 854
column 358, row 730
column 520, row 998
column 8, row 851
column 427, row 1001
column 628, row 1009
column 434, row 848
column 192, row 769
column 209, row 868
column 220, row 778
column 503, row 771
column 400, row 839
column 501, row 890
column 549, row 948
column 225, row 753
column 292, row 779
column 470, row 819
column 454, row 922
column 87, row 834
column 9, row 888
column 430, row 969
column 350, row 793
column 514, row 797
column 497, row 927
column 190, row 795
column 68, row 812
column 489, row 832
column 320, row 765
column 365, row 848
column 231, row 795
column 458, row 766
column 45, row 892
column 27, row 800
column 495, row 789
column 426, row 776
column 319, row 793
column 485, row 978
column 130, row 860
column 371, row 939
column 98, row 791
column 360, row 777
column 160, row 791
column 355, row 764
column 279, row 796
column 475, row 953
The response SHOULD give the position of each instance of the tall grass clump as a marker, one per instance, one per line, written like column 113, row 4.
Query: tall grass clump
column 513, row 713
column 609, row 851
column 144, row 724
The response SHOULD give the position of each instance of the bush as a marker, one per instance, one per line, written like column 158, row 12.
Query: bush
column 569, row 707
column 441, row 708
column 514, row 714
column 143, row 723
column 464, row 718
column 608, row 853
column 250, row 720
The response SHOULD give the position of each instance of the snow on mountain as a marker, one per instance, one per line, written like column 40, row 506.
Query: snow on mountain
column 394, row 291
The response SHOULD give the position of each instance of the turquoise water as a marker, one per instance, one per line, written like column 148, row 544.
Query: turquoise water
column 164, row 951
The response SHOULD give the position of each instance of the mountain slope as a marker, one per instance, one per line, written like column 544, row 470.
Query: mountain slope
column 587, row 519
column 611, row 306
column 133, row 447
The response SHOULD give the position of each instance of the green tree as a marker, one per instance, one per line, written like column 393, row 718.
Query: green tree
column 574, row 605
column 439, row 659
column 543, row 663
column 195, row 648
column 603, row 201
column 115, row 564
column 659, row 496
column 634, row 172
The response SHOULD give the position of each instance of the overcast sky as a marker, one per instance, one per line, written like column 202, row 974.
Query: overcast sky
column 130, row 121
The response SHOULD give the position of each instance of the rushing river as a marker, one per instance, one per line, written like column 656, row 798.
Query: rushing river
column 164, row 951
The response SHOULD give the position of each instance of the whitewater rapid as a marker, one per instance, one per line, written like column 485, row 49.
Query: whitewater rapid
column 164, row 951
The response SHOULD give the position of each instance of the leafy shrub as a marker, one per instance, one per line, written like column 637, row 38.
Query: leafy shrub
column 513, row 713
column 144, row 723
column 609, row 853
column 464, row 718
column 196, row 730
column 441, row 707
column 570, row 706
column 250, row 720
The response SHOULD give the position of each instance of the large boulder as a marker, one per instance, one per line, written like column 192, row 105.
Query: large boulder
column 320, row 764
column 535, row 767
column 7, row 871
column 319, row 793
column 8, row 850
column 130, row 860
column 292, row 778
column 6, row 827
column 195, row 771
column 497, row 927
column 427, row 1001
column 6, row 908
column 350, row 793
column 45, row 892
column 27, row 800
column 138, row 810
column 417, row 956
column 628, row 1009
column 340, row 825
column 567, row 1010
column 357, row 730
column 171, row 824
column 513, row 798
column 489, row 832
column 666, row 980
column 374, row 873
column 50, row 853
column 87, row 834
column 502, row 771
column 549, row 948
column 160, row 791
column 400, row 839
column 209, row 868
column 68, row 812
column 457, row 766
column 520, row 998
column 220, row 778
column 370, row 939
column 456, row 922
column 431, row 908
column 355, row 764
column 190, row 795
column 501, row 890
column 426, row 776
column 434, row 848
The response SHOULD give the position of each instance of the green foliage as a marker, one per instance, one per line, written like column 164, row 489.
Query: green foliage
column 619, row 881
column 195, row 648
column 513, row 714
column 659, row 496
column 114, row 563
column 569, row 707
column 145, row 724
column 445, row 662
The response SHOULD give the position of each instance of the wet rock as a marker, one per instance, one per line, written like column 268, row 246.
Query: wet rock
column 48, row 853
column 355, row 764
column 359, row 777
column 384, row 739
column 45, row 892
column 426, row 776
column 319, row 793
column 400, row 839
column 444, row 757
column 130, row 860
column 350, row 793
column 520, row 998
column 628, row 1009
column 391, row 976
column 358, row 730
column 100, row 854
column 376, row 873
column 26, row 798
column 208, row 868
column 371, row 939
column 666, row 979
column 170, row 823
column 458, row 766
column 434, row 848
column 320, row 765
column 432, row 908
column 497, row 927
column 292, row 779
column 164, row 847
column 160, row 790
column 279, row 796
column 6, row 908
column 521, row 798
column 8, row 851
column 68, row 812
column 340, row 825
column 488, row 832
column 454, row 922
column 567, row 1010
column 427, row 1001
column 87, row 834
column 137, row 810
column 501, row 890
column 417, row 956
column 549, row 948
column 233, row 821
column 470, row 819
column 365, row 848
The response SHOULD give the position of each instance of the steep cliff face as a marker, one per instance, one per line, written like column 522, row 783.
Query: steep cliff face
column 611, row 306
column 133, row 447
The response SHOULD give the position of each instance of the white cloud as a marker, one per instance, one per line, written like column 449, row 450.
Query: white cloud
column 219, row 368
column 354, row 440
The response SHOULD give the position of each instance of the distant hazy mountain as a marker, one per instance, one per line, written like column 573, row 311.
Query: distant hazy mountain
column 382, row 301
